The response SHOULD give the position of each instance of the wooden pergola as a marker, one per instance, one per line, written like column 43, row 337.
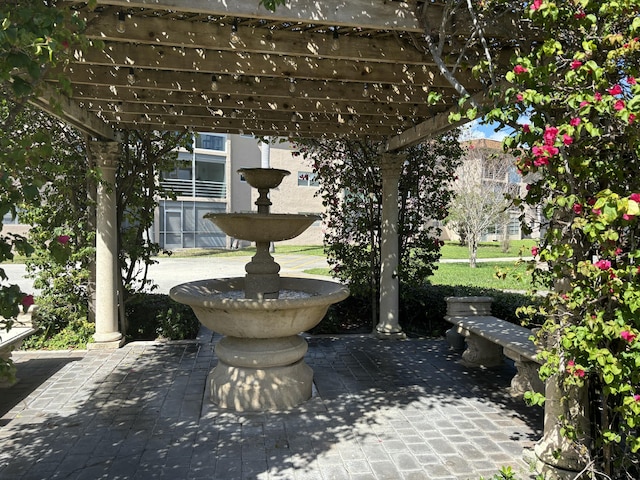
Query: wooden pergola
column 350, row 68
column 355, row 67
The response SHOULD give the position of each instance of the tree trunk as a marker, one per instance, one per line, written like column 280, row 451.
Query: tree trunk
column 473, row 250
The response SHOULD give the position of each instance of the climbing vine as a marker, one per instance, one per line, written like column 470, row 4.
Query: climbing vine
column 576, row 101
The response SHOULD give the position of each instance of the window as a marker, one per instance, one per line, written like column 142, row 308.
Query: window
column 208, row 141
column 307, row 179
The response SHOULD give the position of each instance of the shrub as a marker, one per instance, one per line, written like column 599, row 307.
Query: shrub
column 422, row 309
column 152, row 316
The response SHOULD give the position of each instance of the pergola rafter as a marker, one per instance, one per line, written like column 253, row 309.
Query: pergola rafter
column 309, row 69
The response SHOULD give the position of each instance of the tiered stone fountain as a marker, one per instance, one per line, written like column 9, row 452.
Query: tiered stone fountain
column 261, row 357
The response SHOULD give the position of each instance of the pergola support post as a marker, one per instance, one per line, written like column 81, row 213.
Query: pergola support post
column 388, row 326
column 107, row 335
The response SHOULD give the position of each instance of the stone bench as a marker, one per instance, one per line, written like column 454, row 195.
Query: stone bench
column 490, row 339
column 12, row 340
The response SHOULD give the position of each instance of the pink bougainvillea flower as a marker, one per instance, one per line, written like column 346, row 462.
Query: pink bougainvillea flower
column 541, row 161
column 577, row 208
column 571, row 363
column 550, row 134
column 615, row 90
column 27, row 301
column 636, row 397
column 519, row 69
column 635, row 197
column 575, row 121
column 627, row 336
column 597, row 96
column 627, row 217
column 551, row 150
column 576, row 64
column 537, row 151
column 584, row 103
column 631, row 80
column 526, row 128
column 596, row 211
column 536, row 5
column 632, row 117
column 618, row 251
column 520, row 97
column 64, row 239
column 567, row 139
column 619, row 105
column 536, row 250
column 578, row 372
column 579, row 15
column 603, row 264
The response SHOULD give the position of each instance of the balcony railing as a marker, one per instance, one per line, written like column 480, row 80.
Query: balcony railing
column 197, row 188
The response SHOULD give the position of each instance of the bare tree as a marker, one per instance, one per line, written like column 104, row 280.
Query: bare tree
column 482, row 196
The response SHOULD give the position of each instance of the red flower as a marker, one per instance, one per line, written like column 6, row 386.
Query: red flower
column 627, row 336
column 603, row 264
column 619, row 105
column 584, row 103
column 526, row 128
column 541, row 161
column 632, row 117
column 627, row 217
column 574, row 122
column 635, row 197
column 579, row 372
column 64, row 239
column 636, row 398
column 550, row 134
column 571, row 363
column 615, row 90
column 577, row 208
column 596, row 211
column 567, row 139
column 536, row 250
column 519, row 69
column 579, row 15
column 631, row 80
column 597, row 96
column 576, row 64
column 536, row 5
column 519, row 97
column 27, row 301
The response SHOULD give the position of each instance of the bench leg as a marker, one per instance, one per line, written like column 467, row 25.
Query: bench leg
column 526, row 379
column 481, row 352
column 9, row 379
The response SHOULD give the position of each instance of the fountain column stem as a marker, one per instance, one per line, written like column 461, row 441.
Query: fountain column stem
column 262, row 279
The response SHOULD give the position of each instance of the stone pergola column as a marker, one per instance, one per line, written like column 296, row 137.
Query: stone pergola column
column 388, row 325
column 107, row 335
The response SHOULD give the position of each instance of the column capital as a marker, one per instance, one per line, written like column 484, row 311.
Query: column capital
column 106, row 154
column 392, row 163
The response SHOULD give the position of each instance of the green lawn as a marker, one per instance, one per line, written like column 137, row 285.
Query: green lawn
column 454, row 250
column 484, row 275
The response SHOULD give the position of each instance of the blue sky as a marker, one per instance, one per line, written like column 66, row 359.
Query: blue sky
column 475, row 130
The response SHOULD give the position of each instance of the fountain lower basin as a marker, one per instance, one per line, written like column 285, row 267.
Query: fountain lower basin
column 261, row 358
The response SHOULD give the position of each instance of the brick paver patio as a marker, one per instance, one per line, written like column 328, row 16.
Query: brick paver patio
column 381, row 410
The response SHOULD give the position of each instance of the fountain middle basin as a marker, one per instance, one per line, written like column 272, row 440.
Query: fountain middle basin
column 261, row 357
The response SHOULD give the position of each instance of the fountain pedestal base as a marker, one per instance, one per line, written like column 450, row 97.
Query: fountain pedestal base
column 257, row 374
column 246, row 389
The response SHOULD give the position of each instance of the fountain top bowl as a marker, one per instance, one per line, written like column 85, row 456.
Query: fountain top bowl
column 263, row 178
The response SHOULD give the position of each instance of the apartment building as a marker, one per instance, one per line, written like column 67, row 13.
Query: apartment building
column 207, row 182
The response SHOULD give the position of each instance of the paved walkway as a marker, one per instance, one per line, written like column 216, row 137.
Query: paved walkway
column 381, row 410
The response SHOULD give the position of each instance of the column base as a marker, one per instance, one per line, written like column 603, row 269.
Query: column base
column 391, row 335
column 111, row 344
